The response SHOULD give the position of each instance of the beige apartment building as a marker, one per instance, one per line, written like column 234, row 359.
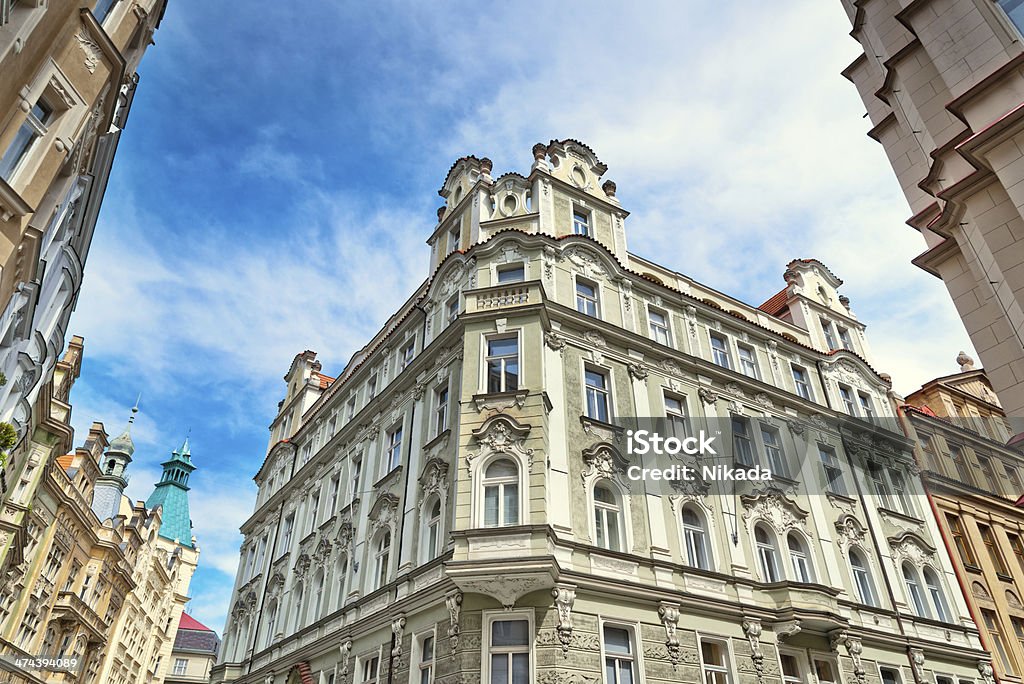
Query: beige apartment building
column 461, row 503
column 974, row 480
column 67, row 79
column 194, row 653
column 943, row 84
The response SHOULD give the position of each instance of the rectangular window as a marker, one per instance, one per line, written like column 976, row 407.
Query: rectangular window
column 30, row 131
column 773, row 450
column 598, row 406
column 825, row 671
column 993, row 549
column 960, row 464
column 332, row 495
column 502, row 364
column 830, row 338
column 180, row 666
column 879, row 485
column 509, row 652
column 370, row 667
column 866, row 407
column 426, row 666
column 511, row 274
column 988, row 474
column 742, row 444
column 350, row 409
column 714, row 661
column 675, row 413
column 371, row 387
column 408, row 354
column 619, row 667
column 659, row 326
column 454, row 237
column 1018, row 549
column 996, row 637
column 286, row 534
column 748, row 361
column 453, row 309
column 580, row 222
column 844, row 338
column 440, row 409
column 1018, row 629
column 803, row 387
column 357, row 473
column 587, row 298
column 720, row 351
column 847, row 396
column 889, row 675
column 963, row 547
column 1015, row 11
column 792, row 672
column 1014, row 477
column 833, row 471
column 902, row 496
column 314, row 511
column 394, row 448
column 103, row 8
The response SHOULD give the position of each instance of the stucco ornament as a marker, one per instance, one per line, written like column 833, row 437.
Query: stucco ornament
column 708, row 396
column 669, row 614
column 554, row 341
column 850, row 530
column 774, row 508
column 603, row 461
column 854, row 648
column 346, row 655
column 752, row 630
column 502, row 435
column 587, row 262
column 985, row 670
column 398, row 630
column 917, row 664
column 565, row 597
column 453, row 602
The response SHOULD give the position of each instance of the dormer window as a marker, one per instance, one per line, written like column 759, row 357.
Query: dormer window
column 580, row 222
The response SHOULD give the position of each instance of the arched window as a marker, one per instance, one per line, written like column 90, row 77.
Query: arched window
column 767, row 554
column 803, row 571
column 862, row 578
column 271, row 623
column 298, row 594
column 318, row 596
column 383, row 558
column 501, row 493
column 607, row 518
column 341, row 577
column 695, row 539
column 914, row 592
column 433, row 540
column 931, row 580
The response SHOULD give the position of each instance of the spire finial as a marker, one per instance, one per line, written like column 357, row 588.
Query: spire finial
column 135, row 409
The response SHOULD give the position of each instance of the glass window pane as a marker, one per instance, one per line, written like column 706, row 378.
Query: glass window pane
column 521, row 668
column 499, row 668
column 616, row 640
column 511, row 504
column 510, row 633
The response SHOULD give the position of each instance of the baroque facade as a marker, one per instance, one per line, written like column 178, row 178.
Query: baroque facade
column 973, row 478
column 103, row 580
column 456, row 506
column 68, row 73
column 942, row 82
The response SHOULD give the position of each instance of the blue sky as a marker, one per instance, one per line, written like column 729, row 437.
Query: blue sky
column 278, row 177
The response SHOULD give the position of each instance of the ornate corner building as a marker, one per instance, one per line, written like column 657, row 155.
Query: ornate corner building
column 102, row 580
column 972, row 470
column 942, row 82
column 456, row 506
column 68, row 74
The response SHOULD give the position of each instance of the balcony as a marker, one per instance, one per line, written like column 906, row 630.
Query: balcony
column 71, row 608
column 504, row 296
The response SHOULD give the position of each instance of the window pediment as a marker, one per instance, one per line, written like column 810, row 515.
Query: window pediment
column 910, row 546
column 775, row 509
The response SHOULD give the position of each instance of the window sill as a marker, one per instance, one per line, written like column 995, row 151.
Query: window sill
column 438, row 439
column 900, row 515
column 11, row 203
column 601, row 428
column 500, row 400
column 392, row 475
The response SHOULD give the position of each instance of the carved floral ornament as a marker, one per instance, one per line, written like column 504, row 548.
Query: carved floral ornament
column 565, row 597
column 752, row 630
column 382, row 514
column 501, row 434
column 851, row 532
column 669, row 614
column 854, row 648
column 774, row 508
column 434, row 478
column 909, row 546
column 587, row 261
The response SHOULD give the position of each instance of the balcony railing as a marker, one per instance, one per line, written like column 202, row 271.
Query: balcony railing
column 504, row 296
column 70, row 607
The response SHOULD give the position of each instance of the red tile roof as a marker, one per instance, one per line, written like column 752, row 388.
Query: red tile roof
column 65, row 461
column 774, row 305
column 325, row 380
column 189, row 622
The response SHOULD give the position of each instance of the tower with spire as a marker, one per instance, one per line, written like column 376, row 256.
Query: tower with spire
column 109, row 489
column 171, row 494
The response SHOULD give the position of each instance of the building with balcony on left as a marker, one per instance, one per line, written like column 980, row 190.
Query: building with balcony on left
column 68, row 74
column 103, row 580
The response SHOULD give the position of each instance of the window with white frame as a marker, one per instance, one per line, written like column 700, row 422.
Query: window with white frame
column 902, row 496
column 511, row 273
column 286, row 533
column 619, row 655
column 825, row 670
column 936, row 594
column 830, row 338
column 834, row 482
column 333, row 489
column 180, row 666
column 440, row 409
column 658, row 321
column 867, row 408
column 844, row 338
column 792, row 670
column 454, row 237
column 408, row 353
column 350, row 408
column 695, row 538
column 846, row 394
column 767, row 553
column 298, row 594
column 394, row 448
column 382, row 559
column 425, row 668
column 341, row 577
column 433, row 540
column 742, row 442
column 879, row 484
column 39, row 116
column 453, row 309
column 580, row 221
column 607, row 518
column 501, row 493
column 596, row 390
column 773, row 450
column 799, row 558
column 314, row 510
column 890, row 675
column 357, row 474
column 502, row 364
column 801, row 382
column 714, row 661
column 371, row 387
column 319, row 583
column 720, row 350
column 370, row 666
column 587, row 300
column 675, row 415
column 1014, row 11
column 508, row 651
column 914, row 593
column 748, row 361
column 862, row 577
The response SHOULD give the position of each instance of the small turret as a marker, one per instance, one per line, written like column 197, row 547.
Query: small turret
column 171, row 494
column 110, row 485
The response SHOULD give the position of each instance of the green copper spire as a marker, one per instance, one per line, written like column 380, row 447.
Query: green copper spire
column 172, row 494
